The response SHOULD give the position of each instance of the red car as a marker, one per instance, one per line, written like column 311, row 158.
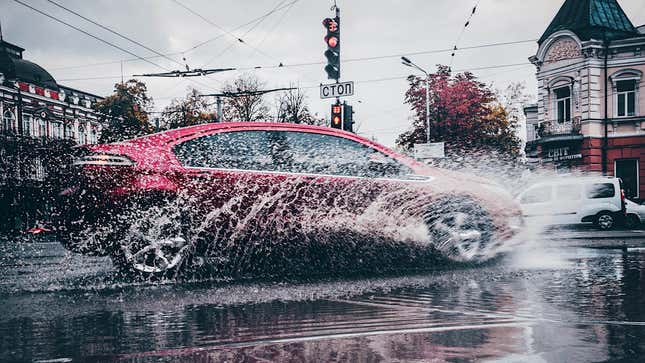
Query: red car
column 263, row 198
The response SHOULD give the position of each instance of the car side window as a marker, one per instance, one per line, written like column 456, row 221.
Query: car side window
column 314, row 153
column 601, row 190
column 537, row 195
column 568, row 192
column 245, row 150
column 290, row 152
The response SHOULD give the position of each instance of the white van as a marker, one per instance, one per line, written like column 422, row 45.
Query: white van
column 573, row 200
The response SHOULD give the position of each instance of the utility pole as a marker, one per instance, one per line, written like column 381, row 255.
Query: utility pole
column 407, row 62
column 219, row 108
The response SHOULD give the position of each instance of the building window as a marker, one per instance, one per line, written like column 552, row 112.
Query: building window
column 57, row 130
column 42, row 127
column 626, row 98
column 7, row 121
column 69, row 131
column 82, row 139
column 563, row 104
column 26, row 125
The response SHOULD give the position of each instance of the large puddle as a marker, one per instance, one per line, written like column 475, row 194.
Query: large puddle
column 540, row 304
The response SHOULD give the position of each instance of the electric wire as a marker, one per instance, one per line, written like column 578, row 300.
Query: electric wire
column 89, row 34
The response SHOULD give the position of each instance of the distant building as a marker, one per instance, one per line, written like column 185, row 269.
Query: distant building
column 591, row 108
column 39, row 120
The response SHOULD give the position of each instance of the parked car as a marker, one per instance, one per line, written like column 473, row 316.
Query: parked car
column 635, row 214
column 574, row 200
column 249, row 196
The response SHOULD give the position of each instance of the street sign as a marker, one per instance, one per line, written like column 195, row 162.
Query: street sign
column 429, row 151
column 337, row 90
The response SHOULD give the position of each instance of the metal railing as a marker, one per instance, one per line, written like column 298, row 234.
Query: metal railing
column 554, row 128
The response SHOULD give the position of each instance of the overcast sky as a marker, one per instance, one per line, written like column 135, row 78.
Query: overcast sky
column 291, row 35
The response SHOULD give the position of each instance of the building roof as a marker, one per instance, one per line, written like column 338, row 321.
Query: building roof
column 15, row 68
column 592, row 19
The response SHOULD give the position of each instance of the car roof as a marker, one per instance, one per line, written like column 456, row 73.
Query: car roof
column 575, row 180
column 171, row 136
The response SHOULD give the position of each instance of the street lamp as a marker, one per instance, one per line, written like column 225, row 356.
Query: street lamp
column 407, row 62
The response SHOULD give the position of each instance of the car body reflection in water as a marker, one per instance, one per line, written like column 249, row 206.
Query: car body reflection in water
column 589, row 309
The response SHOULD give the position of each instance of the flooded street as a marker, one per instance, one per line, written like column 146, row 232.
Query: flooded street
column 540, row 304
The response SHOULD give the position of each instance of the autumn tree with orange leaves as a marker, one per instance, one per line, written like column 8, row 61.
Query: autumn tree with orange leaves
column 464, row 113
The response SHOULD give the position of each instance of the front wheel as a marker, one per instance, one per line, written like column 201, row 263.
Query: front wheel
column 461, row 229
column 605, row 221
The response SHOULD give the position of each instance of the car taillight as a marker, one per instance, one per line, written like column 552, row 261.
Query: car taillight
column 104, row 160
column 622, row 200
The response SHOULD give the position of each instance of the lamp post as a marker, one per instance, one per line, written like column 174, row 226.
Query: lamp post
column 407, row 62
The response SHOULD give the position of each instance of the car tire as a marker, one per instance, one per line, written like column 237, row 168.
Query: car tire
column 460, row 229
column 605, row 221
column 155, row 242
column 632, row 221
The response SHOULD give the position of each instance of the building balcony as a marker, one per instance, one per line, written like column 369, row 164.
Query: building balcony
column 559, row 131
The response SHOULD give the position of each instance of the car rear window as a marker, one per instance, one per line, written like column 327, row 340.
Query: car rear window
column 601, row 190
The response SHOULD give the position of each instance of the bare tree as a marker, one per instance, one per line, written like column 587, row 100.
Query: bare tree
column 292, row 108
column 249, row 107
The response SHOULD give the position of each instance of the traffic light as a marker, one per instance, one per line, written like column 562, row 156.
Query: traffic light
column 348, row 117
column 332, row 39
column 336, row 116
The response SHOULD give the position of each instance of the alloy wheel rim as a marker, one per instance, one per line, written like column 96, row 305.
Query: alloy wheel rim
column 605, row 221
column 456, row 233
column 157, row 256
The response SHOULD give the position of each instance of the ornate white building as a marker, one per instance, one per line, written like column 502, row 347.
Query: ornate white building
column 591, row 109
column 39, row 121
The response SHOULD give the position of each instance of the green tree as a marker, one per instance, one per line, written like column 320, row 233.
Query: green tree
column 464, row 113
column 125, row 112
column 189, row 111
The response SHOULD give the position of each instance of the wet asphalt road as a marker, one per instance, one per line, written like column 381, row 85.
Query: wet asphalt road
column 547, row 302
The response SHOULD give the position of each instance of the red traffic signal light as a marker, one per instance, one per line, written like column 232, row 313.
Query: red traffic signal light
column 332, row 41
column 337, row 116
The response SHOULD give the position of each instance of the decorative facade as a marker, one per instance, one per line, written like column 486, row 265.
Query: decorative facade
column 40, row 121
column 590, row 113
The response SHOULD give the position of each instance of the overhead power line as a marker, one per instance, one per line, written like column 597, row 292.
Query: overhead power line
column 248, row 93
column 461, row 34
column 89, row 34
column 101, row 39
column 114, row 32
column 348, row 60
column 260, row 18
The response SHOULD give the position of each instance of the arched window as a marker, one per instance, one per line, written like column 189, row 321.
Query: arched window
column 7, row 121
column 626, row 87
column 82, row 138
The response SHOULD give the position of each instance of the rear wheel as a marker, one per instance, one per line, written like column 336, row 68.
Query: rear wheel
column 460, row 229
column 605, row 221
column 156, row 242
column 632, row 221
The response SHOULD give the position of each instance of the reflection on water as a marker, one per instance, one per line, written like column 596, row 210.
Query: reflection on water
column 590, row 308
